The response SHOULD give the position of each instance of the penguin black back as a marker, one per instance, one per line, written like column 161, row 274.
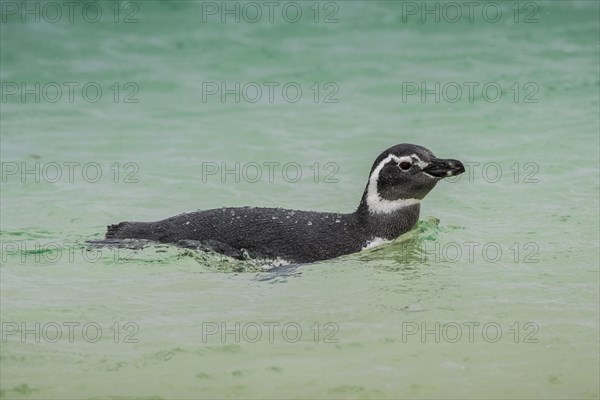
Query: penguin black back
column 400, row 177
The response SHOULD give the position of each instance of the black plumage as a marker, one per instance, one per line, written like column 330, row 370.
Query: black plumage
column 389, row 207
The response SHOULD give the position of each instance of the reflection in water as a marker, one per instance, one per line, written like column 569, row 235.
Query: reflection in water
column 147, row 251
column 405, row 253
column 280, row 274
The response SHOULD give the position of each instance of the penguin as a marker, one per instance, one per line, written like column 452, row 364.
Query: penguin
column 400, row 178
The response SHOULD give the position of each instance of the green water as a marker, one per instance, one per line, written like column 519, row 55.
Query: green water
column 493, row 295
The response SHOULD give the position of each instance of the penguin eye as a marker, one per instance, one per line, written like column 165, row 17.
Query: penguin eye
column 405, row 165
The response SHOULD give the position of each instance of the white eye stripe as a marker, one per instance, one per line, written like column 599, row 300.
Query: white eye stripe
column 378, row 205
column 375, row 203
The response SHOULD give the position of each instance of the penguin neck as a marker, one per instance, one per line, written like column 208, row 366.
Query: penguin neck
column 387, row 219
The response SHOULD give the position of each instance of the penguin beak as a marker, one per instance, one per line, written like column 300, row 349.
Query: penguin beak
column 441, row 168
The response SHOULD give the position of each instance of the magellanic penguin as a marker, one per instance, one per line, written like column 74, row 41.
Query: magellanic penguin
column 400, row 177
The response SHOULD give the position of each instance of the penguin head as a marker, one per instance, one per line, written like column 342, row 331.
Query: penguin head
column 403, row 175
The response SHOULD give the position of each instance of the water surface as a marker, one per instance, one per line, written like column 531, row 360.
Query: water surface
column 493, row 295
